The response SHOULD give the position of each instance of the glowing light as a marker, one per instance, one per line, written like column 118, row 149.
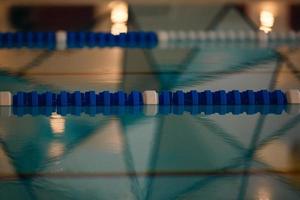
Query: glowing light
column 263, row 194
column 118, row 28
column 119, row 17
column 57, row 123
column 56, row 149
column 266, row 20
column 119, row 13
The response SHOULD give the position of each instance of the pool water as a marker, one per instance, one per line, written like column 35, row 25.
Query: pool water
column 130, row 154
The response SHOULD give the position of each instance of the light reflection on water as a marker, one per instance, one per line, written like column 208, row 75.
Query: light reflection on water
column 151, row 152
column 57, row 123
column 160, row 153
column 119, row 152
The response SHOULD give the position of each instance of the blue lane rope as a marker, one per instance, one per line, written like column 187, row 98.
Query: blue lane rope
column 140, row 39
column 135, row 98
column 162, row 110
column 48, row 40
column 130, row 40
column 43, row 40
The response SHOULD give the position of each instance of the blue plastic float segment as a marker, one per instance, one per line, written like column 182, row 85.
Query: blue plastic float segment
column 1, row 40
column 83, row 100
column 191, row 98
column 111, row 40
column 90, row 98
column 100, row 39
column 206, row 97
column 76, row 99
column 91, row 40
column 62, row 99
column 19, row 39
column 117, row 40
column 81, row 39
column 119, row 98
column 48, row 99
column 42, row 42
column 131, row 39
column 143, row 39
column 29, row 40
column 70, row 39
column 219, row 97
column 277, row 97
column 103, row 99
column 152, row 39
column 135, row 98
column 73, row 39
column 39, row 37
column 19, row 99
column 41, row 99
column 262, row 97
column 248, row 97
column 4, row 40
column 234, row 98
column 32, row 99
column 106, row 38
column 123, row 40
column 165, row 98
column 51, row 40
column 178, row 98
column 9, row 40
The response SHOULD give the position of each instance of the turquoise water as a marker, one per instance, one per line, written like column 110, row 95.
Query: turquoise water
column 137, row 154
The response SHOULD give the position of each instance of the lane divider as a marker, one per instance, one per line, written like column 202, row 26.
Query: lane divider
column 62, row 40
column 226, row 35
column 150, row 97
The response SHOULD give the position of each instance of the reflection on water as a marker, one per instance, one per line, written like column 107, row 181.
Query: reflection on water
column 56, row 149
column 57, row 123
column 110, row 139
column 161, row 156
column 263, row 193
column 57, row 120
column 240, row 152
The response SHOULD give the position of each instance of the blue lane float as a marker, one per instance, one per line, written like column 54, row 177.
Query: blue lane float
column 127, row 40
column 136, row 98
column 178, row 98
column 52, row 40
column 206, row 97
column 165, row 98
column 140, row 39
column 248, row 97
column 220, row 98
column 40, row 40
